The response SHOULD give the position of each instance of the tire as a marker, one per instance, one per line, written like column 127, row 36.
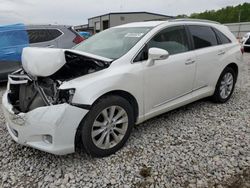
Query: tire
column 218, row 96
column 98, row 119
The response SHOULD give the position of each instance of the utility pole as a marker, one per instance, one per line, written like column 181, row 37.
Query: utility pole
column 239, row 24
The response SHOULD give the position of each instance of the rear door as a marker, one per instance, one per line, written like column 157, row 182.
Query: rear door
column 209, row 54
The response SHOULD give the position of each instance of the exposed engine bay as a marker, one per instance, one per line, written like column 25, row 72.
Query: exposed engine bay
column 27, row 92
column 78, row 65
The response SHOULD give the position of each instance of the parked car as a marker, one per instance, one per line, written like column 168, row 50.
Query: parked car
column 122, row 76
column 85, row 34
column 14, row 38
column 246, row 42
column 53, row 36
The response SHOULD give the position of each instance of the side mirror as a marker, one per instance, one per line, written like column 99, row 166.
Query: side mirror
column 156, row 54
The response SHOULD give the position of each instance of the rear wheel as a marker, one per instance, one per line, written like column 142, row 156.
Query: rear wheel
column 225, row 86
column 107, row 126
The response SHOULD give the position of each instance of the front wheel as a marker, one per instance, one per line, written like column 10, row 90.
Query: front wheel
column 107, row 126
column 225, row 86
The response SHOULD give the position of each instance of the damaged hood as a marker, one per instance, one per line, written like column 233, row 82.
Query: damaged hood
column 44, row 62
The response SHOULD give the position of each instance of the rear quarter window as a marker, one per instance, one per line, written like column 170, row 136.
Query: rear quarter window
column 43, row 35
column 55, row 33
column 203, row 36
column 222, row 39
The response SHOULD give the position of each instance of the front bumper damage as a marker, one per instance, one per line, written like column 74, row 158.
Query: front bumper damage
column 40, row 114
column 51, row 128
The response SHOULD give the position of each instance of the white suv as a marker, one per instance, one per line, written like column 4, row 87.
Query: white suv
column 122, row 76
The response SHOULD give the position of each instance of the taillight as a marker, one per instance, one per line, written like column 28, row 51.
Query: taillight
column 78, row 39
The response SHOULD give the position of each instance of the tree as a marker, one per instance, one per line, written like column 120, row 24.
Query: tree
column 229, row 14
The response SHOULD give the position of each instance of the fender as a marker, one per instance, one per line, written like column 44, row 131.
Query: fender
column 91, row 87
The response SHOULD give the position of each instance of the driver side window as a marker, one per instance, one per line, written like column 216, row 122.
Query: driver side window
column 173, row 39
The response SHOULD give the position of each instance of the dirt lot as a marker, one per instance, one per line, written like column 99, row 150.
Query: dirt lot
column 200, row 145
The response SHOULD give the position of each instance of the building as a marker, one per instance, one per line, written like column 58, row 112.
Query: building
column 239, row 29
column 102, row 22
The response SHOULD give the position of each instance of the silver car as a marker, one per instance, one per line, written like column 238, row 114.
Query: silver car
column 14, row 38
column 53, row 36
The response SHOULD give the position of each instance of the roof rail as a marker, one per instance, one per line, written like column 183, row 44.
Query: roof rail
column 193, row 20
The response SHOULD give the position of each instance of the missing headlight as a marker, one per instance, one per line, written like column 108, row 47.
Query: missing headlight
column 66, row 95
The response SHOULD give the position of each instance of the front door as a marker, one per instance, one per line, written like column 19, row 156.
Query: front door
column 173, row 78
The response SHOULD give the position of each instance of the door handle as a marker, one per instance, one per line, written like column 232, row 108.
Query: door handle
column 221, row 53
column 189, row 62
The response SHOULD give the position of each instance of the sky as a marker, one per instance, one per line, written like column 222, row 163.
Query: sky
column 77, row 12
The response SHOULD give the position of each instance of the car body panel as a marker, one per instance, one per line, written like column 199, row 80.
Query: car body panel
column 54, row 121
column 45, row 62
column 169, row 87
column 164, row 86
column 113, row 79
column 206, row 60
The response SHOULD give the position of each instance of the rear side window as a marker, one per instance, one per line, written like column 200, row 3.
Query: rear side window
column 43, row 35
column 173, row 39
column 222, row 39
column 54, row 33
column 203, row 36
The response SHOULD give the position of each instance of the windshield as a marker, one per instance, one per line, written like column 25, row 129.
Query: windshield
column 113, row 43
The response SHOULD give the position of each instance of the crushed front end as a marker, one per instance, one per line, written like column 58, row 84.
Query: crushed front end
column 38, row 113
column 35, row 120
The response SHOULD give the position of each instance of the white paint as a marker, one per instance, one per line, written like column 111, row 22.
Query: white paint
column 166, row 85
column 59, row 121
column 46, row 61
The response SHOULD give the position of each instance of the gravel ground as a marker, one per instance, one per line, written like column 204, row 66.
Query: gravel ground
column 199, row 145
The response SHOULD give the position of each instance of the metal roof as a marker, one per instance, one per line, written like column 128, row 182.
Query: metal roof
column 114, row 13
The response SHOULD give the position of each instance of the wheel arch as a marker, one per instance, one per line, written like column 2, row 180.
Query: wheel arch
column 126, row 95
column 235, row 67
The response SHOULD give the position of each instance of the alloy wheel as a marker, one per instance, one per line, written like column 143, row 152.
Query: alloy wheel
column 109, row 127
column 226, row 85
